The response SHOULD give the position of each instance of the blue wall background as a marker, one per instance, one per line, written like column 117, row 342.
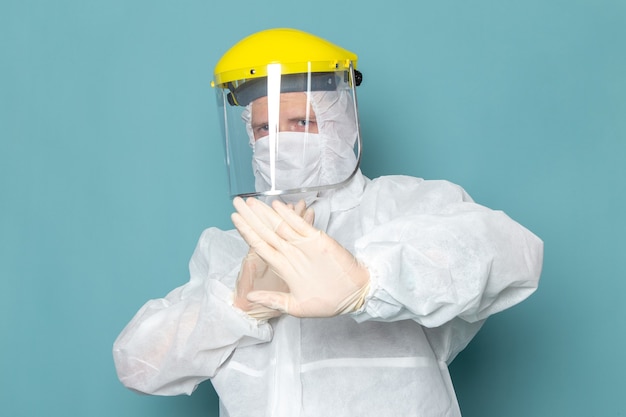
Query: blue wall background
column 111, row 166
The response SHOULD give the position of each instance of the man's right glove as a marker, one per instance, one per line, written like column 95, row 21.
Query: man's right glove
column 323, row 277
column 255, row 275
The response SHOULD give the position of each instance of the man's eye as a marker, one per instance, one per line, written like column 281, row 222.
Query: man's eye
column 305, row 122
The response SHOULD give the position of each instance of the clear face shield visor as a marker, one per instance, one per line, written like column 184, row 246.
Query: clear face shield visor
column 290, row 135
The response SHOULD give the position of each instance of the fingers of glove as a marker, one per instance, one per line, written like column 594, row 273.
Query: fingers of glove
column 248, row 272
column 274, row 221
column 296, row 223
column 309, row 216
column 299, row 208
column 257, row 211
column 247, row 214
column 278, row 301
column 275, row 252
column 246, row 281
column 260, row 312
column 268, row 224
column 245, row 284
column 265, row 221
column 255, row 310
column 256, row 231
column 269, row 281
column 241, row 302
column 253, row 260
column 247, row 233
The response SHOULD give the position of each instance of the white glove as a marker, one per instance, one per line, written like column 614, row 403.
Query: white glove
column 255, row 275
column 324, row 278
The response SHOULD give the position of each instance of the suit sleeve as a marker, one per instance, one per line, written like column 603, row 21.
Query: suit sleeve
column 174, row 343
column 438, row 258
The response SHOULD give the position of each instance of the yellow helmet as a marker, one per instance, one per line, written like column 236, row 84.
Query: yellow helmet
column 295, row 51
column 292, row 48
column 288, row 115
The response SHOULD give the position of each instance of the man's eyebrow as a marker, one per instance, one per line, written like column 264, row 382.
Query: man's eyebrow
column 302, row 117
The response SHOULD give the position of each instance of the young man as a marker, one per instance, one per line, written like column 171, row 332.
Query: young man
column 336, row 294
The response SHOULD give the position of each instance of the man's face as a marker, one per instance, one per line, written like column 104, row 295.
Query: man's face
column 292, row 118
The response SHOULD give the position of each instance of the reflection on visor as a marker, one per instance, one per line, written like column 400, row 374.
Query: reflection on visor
column 290, row 83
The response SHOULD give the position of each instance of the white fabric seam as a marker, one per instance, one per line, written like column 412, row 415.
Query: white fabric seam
column 240, row 367
column 397, row 362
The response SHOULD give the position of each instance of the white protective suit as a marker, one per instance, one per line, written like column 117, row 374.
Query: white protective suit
column 439, row 266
